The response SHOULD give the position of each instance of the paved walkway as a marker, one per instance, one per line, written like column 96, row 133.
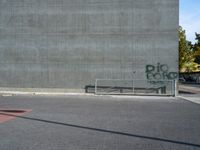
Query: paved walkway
column 190, row 92
column 190, row 88
column 100, row 123
column 191, row 97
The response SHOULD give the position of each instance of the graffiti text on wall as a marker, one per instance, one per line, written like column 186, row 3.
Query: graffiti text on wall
column 160, row 72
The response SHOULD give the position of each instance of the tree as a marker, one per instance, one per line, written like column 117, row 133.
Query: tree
column 185, row 52
column 197, row 48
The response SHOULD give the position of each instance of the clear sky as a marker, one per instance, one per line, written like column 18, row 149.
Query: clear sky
column 189, row 17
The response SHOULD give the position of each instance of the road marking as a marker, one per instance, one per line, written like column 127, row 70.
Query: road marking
column 9, row 114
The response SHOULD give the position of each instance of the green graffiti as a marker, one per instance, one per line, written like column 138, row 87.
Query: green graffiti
column 160, row 72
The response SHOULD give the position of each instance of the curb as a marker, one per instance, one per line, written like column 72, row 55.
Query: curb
column 12, row 93
column 191, row 99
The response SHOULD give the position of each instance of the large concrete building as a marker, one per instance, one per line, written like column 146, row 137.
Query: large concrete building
column 67, row 44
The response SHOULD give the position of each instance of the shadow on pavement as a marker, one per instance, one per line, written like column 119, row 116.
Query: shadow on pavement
column 106, row 131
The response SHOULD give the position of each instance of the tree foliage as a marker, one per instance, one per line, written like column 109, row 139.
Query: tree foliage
column 197, row 49
column 188, row 53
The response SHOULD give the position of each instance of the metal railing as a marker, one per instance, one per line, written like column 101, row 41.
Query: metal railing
column 135, row 87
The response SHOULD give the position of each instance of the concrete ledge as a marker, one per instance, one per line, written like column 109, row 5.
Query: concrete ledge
column 194, row 98
column 40, row 91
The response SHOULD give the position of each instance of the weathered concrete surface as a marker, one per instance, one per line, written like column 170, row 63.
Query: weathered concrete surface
column 70, row 43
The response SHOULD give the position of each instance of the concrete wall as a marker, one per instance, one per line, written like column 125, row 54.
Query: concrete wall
column 70, row 43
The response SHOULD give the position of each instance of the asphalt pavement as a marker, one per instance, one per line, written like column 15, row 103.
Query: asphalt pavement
column 78, row 122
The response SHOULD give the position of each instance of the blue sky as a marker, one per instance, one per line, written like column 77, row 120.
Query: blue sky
column 189, row 17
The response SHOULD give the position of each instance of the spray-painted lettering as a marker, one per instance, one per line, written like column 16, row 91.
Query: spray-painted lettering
column 160, row 72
